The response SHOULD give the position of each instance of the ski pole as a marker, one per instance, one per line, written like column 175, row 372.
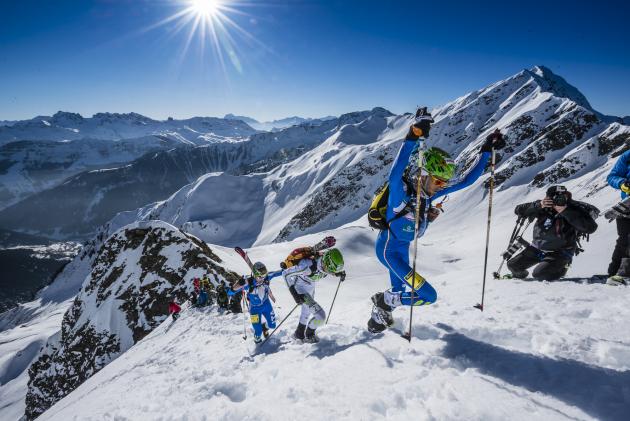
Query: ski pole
column 244, row 316
column 416, row 228
column 485, row 264
column 334, row 298
column 279, row 324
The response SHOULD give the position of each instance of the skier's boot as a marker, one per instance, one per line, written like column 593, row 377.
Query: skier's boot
column 310, row 336
column 265, row 330
column 299, row 332
column 617, row 280
column 623, row 274
column 381, row 317
column 257, row 339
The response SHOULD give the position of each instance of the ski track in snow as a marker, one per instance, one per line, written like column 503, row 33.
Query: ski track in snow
column 546, row 350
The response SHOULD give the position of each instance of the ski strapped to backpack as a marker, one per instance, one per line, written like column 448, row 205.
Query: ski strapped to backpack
column 307, row 252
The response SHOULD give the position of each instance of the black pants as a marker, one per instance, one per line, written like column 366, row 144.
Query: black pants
column 622, row 247
column 551, row 265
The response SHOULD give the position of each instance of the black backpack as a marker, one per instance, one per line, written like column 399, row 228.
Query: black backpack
column 594, row 213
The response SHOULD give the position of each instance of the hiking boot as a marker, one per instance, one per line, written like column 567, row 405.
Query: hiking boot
column 381, row 317
column 299, row 332
column 617, row 280
column 381, row 312
column 310, row 336
column 375, row 327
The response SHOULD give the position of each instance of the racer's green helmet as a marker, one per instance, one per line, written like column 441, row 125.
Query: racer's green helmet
column 332, row 261
column 259, row 270
column 439, row 163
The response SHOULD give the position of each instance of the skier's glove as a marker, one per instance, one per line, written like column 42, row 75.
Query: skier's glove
column 299, row 298
column 241, row 282
column 494, row 140
column 610, row 215
column 625, row 187
column 421, row 126
column 330, row 241
column 342, row 276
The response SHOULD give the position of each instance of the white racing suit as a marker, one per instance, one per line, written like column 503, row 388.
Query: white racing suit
column 303, row 277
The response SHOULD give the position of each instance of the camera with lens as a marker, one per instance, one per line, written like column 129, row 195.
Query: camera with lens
column 559, row 195
column 560, row 199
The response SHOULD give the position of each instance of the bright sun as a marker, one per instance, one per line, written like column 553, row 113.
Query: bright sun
column 205, row 8
column 208, row 22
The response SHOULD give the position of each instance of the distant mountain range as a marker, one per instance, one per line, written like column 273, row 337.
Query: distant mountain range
column 275, row 124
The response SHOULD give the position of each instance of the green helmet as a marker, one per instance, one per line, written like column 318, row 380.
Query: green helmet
column 332, row 261
column 439, row 163
column 259, row 270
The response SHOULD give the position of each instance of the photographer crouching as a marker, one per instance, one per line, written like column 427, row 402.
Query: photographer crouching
column 559, row 223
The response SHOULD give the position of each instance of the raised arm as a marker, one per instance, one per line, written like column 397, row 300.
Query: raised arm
column 618, row 173
column 472, row 176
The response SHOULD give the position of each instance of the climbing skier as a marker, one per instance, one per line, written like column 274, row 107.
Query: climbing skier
column 174, row 309
column 392, row 244
column 619, row 267
column 258, row 295
column 222, row 295
column 301, row 279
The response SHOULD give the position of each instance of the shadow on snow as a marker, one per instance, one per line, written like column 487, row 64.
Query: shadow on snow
column 600, row 392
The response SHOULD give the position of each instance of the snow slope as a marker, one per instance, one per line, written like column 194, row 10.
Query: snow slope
column 554, row 351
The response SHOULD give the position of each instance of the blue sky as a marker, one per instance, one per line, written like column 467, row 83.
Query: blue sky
column 304, row 57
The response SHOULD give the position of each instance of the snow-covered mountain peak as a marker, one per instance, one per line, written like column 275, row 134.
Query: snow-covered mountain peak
column 66, row 118
column 555, row 84
column 359, row 116
column 123, row 117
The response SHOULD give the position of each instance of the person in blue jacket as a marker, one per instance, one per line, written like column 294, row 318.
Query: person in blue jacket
column 619, row 267
column 258, row 295
column 392, row 245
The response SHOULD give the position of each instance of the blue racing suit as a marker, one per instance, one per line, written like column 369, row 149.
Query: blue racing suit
column 259, row 302
column 618, row 175
column 392, row 245
column 620, row 172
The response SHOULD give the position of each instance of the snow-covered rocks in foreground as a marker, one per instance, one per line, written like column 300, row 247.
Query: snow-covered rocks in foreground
column 123, row 298
column 552, row 351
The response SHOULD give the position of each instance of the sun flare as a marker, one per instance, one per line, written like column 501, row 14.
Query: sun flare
column 205, row 8
column 213, row 23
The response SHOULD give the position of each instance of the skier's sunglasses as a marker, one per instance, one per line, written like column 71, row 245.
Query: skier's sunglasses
column 439, row 182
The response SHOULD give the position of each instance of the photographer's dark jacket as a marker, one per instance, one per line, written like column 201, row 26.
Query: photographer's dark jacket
column 557, row 231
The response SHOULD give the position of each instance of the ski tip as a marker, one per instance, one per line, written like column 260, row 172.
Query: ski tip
column 478, row 306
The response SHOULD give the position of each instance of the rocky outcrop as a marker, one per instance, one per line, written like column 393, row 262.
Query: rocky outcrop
column 123, row 299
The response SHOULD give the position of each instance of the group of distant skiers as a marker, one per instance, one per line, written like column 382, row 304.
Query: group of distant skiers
column 403, row 209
